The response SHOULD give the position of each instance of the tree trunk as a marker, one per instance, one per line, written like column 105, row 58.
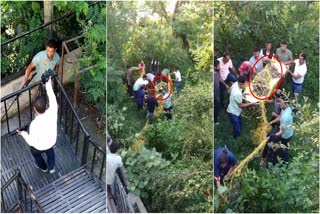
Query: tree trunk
column 48, row 15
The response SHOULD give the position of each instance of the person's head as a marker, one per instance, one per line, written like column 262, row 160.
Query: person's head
column 302, row 58
column 40, row 105
column 283, row 104
column 256, row 53
column 242, row 81
column 114, row 147
column 268, row 45
column 51, row 48
column 278, row 95
column 283, row 45
column 244, row 67
column 223, row 159
column 216, row 65
column 144, row 77
column 226, row 57
column 143, row 86
column 128, row 66
column 274, row 138
column 176, row 68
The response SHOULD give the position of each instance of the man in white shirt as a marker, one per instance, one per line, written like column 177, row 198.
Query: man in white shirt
column 139, row 82
column 150, row 77
column 235, row 106
column 226, row 64
column 177, row 79
column 43, row 130
column 114, row 166
column 300, row 71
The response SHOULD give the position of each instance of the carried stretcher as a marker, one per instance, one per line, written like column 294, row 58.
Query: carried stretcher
column 264, row 83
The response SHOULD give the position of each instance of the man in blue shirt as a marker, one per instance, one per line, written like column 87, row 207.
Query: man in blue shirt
column 286, row 122
column 167, row 106
column 140, row 97
column 44, row 60
column 224, row 164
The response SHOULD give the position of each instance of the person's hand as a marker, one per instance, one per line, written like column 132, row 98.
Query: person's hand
column 270, row 124
column 19, row 132
column 270, row 101
column 256, row 103
column 226, row 178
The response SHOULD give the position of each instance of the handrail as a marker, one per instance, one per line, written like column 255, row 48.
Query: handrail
column 43, row 26
column 121, row 197
column 20, row 91
column 88, row 143
column 70, row 104
column 21, row 185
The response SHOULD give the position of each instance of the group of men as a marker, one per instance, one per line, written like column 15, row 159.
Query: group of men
column 282, row 117
column 141, row 93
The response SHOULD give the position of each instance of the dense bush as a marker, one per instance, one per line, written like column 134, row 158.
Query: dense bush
column 293, row 188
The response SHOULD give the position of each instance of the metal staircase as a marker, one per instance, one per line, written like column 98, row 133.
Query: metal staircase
column 78, row 183
column 77, row 192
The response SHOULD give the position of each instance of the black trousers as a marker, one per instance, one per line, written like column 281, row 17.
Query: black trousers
column 130, row 89
column 216, row 109
column 37, row 154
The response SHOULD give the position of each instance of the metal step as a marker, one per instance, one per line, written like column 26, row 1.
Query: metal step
column 75, row 192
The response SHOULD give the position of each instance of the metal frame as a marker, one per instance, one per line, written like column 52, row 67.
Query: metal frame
column 23, row 191
column 73, row 127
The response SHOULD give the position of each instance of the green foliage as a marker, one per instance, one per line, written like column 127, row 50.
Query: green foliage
column 195, row 21
column 134, row 34
column 186, row 188
column 140, row 165
column 293, row 188
column 19, row 53
column 167, row 137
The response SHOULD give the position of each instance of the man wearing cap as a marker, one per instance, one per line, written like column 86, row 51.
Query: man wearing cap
column 286, row 122
column 244, row 69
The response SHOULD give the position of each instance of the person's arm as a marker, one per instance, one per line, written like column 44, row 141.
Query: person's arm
column 280, row 132
column 123, row 178
column 53, row 105
column 28, row 71
column 294, row 76
column 275, row 120
column 244, row 105
column 217, row 179
column 29, row 138
column 128, row 79
column 270, row 101
column 223, row 82
column 56, row 68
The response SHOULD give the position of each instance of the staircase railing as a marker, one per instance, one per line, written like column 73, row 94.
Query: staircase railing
column 23, row 195
column 88, row 151
column 85, row 148
column 121, row 197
